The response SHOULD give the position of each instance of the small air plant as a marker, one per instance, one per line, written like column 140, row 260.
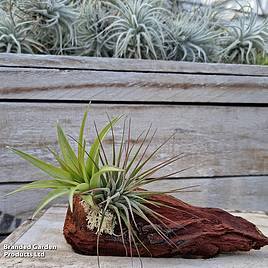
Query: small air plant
column 245, row 37
column 52, row 20
column 74, row 175
column 193, row 36
column 90, row 30
column 109, row 180
column 137, row 29
column 16, row 36
column 262, row 59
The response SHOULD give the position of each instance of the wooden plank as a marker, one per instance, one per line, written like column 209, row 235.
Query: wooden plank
column 48, row 231
column 234, row 193
column 91, row 63
column 78, row 85
column 22, row 205
column 217, row 141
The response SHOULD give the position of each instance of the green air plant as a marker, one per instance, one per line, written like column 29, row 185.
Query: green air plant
column 109, row 180
column 90, row 30
column 75, row 173
column 245, row 37
column 262, row 60
column 52, row 20
column 16, row 37
column 193, row 36
column 137, row 29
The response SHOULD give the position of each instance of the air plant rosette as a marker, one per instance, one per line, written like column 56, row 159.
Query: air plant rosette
column 110, row 212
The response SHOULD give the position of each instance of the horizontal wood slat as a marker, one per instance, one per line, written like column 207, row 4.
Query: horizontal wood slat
column 217, row 141
column 91, row 63
column 75, row 85
column 228, row 138
column 243, row 193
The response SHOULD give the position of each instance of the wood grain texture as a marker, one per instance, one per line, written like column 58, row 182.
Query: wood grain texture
column 80, row 85
column 244, row 193
column 42, row 233
column 91, row 63
column 217, row 141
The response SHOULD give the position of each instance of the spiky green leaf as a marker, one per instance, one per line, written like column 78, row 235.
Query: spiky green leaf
column 50, row 197
column 51, row 170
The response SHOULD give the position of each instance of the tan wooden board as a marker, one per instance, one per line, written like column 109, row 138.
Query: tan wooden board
column 239, row 193
column 91, row 63
column 48, row 230
column 81, row 85
column 216, row 141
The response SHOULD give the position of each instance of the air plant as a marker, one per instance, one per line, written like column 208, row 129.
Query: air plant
column 4, row 4
column 137, row 29
column 90, row 30
column 193, row 35
column 109, row 181
column 52, row 20
column 262, row 59
column 245, row 37
column 16, row 36
column 74, row 174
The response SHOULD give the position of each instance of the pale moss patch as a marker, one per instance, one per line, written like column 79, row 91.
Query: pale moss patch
column 94, row 216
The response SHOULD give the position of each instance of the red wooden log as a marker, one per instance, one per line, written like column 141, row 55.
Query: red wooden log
column 194, row 231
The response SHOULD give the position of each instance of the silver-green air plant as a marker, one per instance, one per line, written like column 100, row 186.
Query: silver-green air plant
column 16, row 36
column 6, row 4
column 193, row 35
column 52, row 21
column 110, row 181
column 137, row 29
column 245, row 37
column 90, row 29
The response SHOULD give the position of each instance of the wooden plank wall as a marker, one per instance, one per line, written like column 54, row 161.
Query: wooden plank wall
column 217, row 113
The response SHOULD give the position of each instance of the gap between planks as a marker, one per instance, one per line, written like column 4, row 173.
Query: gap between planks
column 141, row 103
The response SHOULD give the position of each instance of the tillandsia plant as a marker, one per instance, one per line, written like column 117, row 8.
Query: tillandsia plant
column 138, row 29
column 15, row 36
column 109, row 180
column 6, row 4
column 212, row 31
column 90, row 30
column 262, row 59
column 52, row 20
column 193, row 35
column 245, row 37
column 75, row 173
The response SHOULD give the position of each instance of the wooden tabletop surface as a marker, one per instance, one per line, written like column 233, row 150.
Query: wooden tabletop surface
column 47, row 230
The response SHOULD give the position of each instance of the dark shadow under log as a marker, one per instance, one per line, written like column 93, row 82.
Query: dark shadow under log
column 203, row 232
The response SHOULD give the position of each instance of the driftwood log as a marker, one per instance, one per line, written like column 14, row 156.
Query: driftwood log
column 202, row 232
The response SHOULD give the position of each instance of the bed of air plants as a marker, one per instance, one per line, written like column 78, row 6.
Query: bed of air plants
column 142, row 29
column 110, row 211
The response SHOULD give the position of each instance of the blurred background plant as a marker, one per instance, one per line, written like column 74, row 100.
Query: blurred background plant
column 194, row 34
column 262, row 60
column 16, row 36
column 52, row 22
column 244, row 38
column 90, row 28
column 230, row 31
column 138, row 29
